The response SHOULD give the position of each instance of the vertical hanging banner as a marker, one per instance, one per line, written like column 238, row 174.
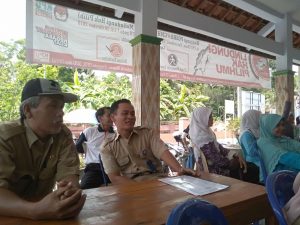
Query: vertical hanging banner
column 62, row 36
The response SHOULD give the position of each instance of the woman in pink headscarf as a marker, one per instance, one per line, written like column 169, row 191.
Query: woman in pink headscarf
column 292, row 207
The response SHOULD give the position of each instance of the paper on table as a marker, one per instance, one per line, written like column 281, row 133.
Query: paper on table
column 195, row 186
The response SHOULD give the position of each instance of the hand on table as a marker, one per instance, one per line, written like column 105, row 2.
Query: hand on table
column 63, row 203
column 190, row 172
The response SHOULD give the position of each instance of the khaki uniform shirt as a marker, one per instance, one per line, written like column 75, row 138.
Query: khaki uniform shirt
column 29, row 167
column 139, row 154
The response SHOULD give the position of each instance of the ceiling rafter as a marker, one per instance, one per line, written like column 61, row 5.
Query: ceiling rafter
column 247, row 21
column 213, row 9
column 200, row 5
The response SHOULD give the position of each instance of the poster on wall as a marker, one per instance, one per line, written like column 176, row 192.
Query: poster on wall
column 62, row 36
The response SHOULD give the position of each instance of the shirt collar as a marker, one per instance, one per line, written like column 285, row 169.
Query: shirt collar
column 134, row 131
column 100, row 129
column 31, row 136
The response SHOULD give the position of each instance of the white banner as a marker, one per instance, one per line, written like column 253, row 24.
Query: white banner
column 63, row 36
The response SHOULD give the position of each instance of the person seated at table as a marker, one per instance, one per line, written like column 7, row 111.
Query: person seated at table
column 219, row 160
column 37, row 151
column 134, row 153
column 292, row 207
column 94, row 174
column 249, row 133
column 278, row 151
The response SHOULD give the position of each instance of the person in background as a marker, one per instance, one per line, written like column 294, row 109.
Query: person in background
column 292, row 207
column 249, row 133
column 298, row 121
column 203, row 139
column 94, row 174
column 135, row 153
column 190, row 162
column 278, row 151
column 297, row 129
column 37, row 151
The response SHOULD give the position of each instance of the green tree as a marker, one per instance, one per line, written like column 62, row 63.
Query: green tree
column 94, row 93
column 14, row 73
column 178, row 99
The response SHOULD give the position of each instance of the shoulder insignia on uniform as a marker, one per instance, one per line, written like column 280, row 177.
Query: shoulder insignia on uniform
column 11, row 129
column 109, row 140
column 65, row 129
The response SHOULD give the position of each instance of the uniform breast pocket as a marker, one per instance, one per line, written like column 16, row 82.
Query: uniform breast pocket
column 143, row 153
column 47, row 173
column 48, row 168
column 123, row 161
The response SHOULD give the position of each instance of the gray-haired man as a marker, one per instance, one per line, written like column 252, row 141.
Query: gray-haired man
column 36, row 152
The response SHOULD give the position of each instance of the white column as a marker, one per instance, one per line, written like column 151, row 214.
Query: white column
column 146, row 20
column 239, row 101
column 284, row 34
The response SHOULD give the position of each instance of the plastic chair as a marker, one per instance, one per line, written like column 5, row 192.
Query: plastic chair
column 203, row 159
column 105, row 178
column 279, row 186
column 257, row 152
column 195, row 212
column 262, row 165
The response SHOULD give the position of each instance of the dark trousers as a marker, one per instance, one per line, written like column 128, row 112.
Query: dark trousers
column 94, row 176
column 252, row 174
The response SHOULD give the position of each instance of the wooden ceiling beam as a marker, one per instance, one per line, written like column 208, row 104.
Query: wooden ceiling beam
column 213, row 9
column 200, row 5
column 245, row 24
column 236, row 18
column 227, row 13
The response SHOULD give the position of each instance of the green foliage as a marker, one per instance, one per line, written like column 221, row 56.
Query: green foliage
column 218, row 94
column 94, row 93
column 14, row 73
column 234, row 125
column 177, row 100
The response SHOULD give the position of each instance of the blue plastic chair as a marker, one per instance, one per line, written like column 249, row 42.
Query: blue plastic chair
column 258, row 154
column 279, row 188
column 262, row 165
column 105, row 178
column 195, row 212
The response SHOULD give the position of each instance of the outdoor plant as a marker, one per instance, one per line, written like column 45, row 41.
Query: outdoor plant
column 234, row 126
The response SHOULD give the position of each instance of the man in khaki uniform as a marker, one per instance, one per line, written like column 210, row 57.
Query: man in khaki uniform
column 36, row 152
column 134, row 153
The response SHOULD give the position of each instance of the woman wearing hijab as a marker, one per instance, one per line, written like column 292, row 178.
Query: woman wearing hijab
column 278, row 151
column 203, row 139
column 249, row 133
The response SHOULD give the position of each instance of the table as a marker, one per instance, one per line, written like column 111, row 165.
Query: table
column 150, row 202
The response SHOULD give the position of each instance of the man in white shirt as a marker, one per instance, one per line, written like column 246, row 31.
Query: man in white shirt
column 94, row 174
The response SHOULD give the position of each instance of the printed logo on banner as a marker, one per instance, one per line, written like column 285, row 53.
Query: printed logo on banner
column 115, row 50
column 201, row 61
column 58, row 36
column 259, row 67
column 61, row 13
column 43, row 9
column 41, row 56
column 172, row 59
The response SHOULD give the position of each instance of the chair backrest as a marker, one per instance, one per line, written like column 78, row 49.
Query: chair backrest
column 204, row 162
column 257, row 152
column 262, row 165
column 203, row 158
column 104, row 176
column 196, row 212
column 279, row 186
